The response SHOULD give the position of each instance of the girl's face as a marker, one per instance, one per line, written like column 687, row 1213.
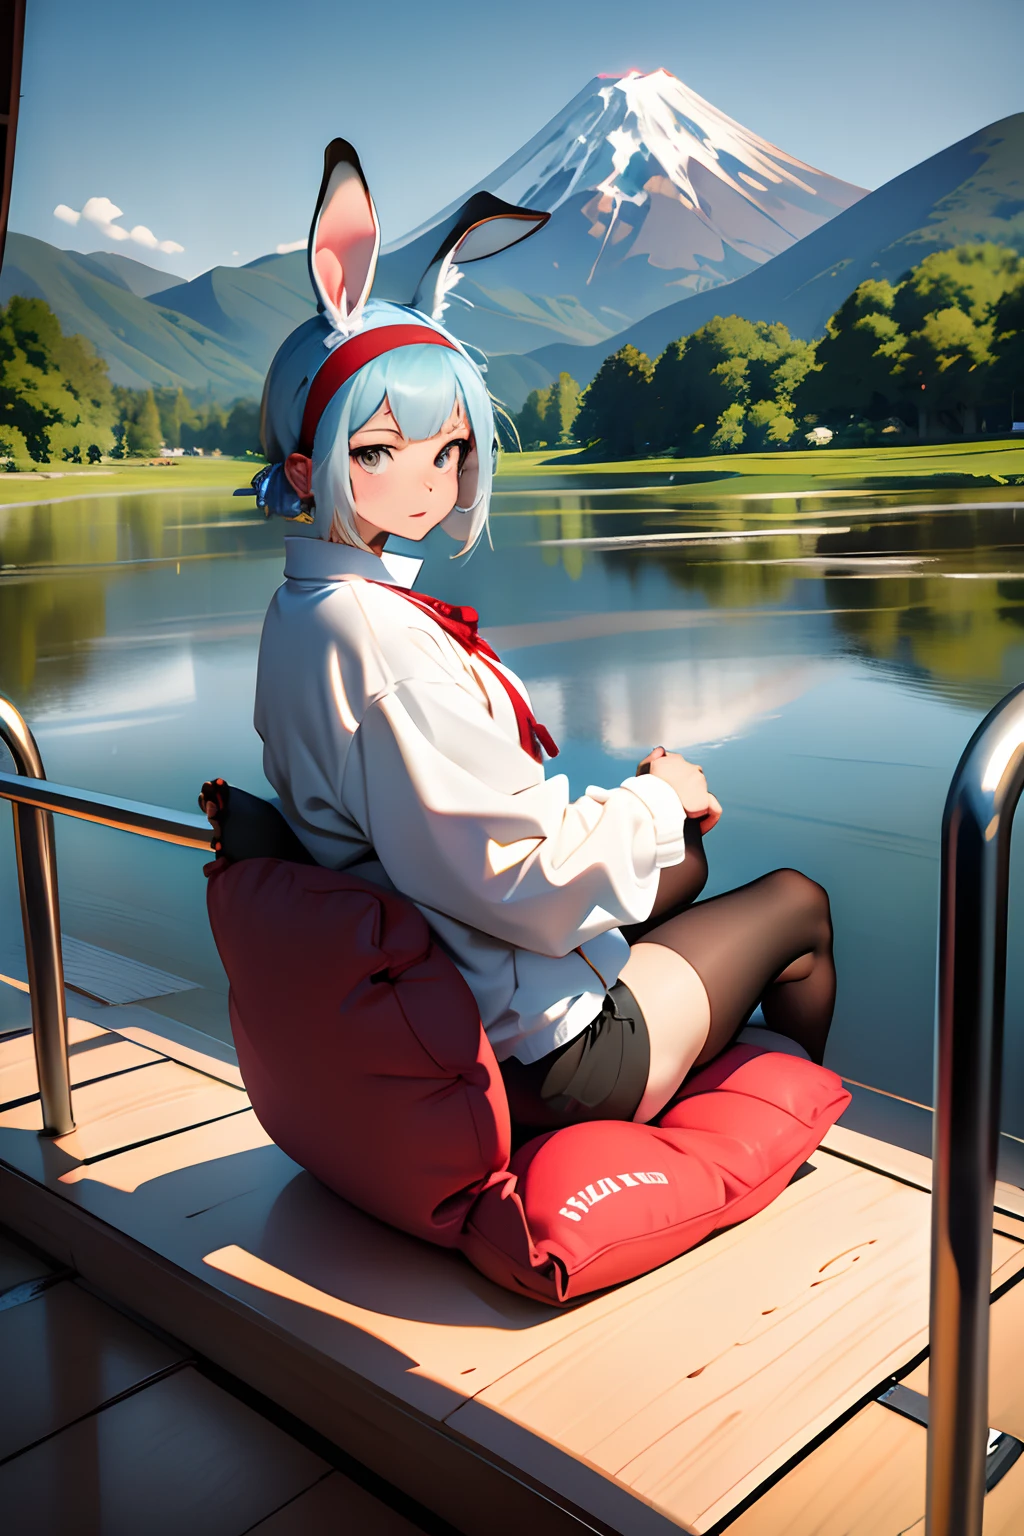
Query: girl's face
column 402, row 485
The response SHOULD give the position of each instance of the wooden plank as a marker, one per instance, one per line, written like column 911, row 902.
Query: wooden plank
column 18, row 1265
column 100, row 973
column 180, row 1456
column 114, row 978
column 15, row 1009
column 916, row 1169
column 370, row 1335
column 93, row 1053
column 178, row 1042
column 134, row 1107
column 69, row 1354
column 333, row 1506
column 476, row 1492
column 195, row 1148
column 414, row 1319
column 774, row 1329
column 868, row 1479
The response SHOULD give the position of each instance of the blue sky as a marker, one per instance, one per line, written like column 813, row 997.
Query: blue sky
column 205, row 122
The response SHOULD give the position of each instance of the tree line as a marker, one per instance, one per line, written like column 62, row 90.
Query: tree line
column 57, row 403
column 938, row 354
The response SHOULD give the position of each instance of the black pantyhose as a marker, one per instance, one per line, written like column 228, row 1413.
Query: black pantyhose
column 769, row 942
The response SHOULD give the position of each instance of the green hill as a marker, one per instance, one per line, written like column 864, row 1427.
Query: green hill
column 126, row 272
column 143, row 342
column 251, row 308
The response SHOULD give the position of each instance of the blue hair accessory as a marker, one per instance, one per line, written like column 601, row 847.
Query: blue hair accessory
column 275, row 495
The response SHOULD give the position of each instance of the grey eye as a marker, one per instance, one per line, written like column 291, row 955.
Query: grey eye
column 374, row 460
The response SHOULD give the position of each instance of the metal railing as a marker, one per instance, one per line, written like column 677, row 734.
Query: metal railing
column 34, row 801
column 976, row 827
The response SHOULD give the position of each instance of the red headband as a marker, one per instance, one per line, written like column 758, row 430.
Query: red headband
column 348, row 358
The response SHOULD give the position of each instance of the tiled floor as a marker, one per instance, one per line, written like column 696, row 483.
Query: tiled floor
column 107, row 1430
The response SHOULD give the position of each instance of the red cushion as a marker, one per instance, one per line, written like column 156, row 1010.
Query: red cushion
column 603, row 1202
column 359, row 1042
column 362, row 1051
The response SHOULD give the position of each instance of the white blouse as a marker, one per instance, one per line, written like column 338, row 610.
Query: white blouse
column 391, row 748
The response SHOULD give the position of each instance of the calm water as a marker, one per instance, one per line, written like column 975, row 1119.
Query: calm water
column 827, row 669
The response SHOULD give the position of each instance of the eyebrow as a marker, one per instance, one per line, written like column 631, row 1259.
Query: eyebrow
column 375, row 432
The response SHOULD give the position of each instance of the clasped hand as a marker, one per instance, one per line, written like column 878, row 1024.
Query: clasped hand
column 689, row 783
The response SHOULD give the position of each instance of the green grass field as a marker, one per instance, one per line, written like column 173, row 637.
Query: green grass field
column 999, row 462
column 206, row 474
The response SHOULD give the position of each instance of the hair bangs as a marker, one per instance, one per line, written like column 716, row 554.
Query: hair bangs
column 419, row 384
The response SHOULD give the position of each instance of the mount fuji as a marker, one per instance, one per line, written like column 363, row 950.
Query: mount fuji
column 654, row 194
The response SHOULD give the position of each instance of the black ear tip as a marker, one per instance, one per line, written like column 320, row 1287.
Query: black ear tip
column 341, row 152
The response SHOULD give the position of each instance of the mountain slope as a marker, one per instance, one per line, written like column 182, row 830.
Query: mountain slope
column 653, row 192
column 251, row 308
column 126, row 272
column 972, row 191
column 142, row 342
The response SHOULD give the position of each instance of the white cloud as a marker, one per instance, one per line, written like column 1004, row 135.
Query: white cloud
column 101, row 212
column 143, row 236
column 294, row 245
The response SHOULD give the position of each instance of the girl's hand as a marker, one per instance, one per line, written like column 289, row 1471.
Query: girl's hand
column 689, row 783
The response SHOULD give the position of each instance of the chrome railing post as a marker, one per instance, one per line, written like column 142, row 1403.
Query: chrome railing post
column 968, row 1077
column 36, row 853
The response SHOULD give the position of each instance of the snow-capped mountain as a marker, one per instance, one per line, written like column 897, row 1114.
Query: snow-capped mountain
column 969, row 192
column 654, row 194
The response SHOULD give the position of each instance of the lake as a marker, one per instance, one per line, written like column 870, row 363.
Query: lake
column 825, row 657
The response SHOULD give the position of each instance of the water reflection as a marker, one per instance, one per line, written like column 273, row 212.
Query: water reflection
column 829, row 672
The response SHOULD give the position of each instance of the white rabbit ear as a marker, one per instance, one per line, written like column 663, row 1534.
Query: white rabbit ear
column 483, row 226
column 344, row 238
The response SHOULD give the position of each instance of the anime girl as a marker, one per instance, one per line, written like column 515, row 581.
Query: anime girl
column 404, row 751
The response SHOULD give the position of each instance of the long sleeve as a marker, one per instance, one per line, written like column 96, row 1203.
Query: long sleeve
column 438, row 789
column 395, row 755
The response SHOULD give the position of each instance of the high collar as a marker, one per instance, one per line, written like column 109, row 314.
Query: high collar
column 320, row 560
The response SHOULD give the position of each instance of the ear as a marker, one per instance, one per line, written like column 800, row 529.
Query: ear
column 483, row 226
column 344, row 237
column 298, row 471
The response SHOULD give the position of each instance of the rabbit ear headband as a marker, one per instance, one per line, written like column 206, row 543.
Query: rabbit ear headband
column 344, row 245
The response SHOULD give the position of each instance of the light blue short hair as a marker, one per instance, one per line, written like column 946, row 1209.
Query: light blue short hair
column 421, row 386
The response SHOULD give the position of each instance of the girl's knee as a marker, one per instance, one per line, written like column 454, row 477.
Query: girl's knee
column 799, row 894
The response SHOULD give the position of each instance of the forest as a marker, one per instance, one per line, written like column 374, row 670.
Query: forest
column 57, row 403
column 938, row 355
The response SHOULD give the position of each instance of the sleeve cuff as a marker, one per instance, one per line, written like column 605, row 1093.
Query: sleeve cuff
column 669, row 817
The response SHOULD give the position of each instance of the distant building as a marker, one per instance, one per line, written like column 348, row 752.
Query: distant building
column 171, row 453
column 820, row 437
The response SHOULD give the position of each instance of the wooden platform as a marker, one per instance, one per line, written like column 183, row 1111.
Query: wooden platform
column 108, row 1430
column 664, row 1405
column 97, row 973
